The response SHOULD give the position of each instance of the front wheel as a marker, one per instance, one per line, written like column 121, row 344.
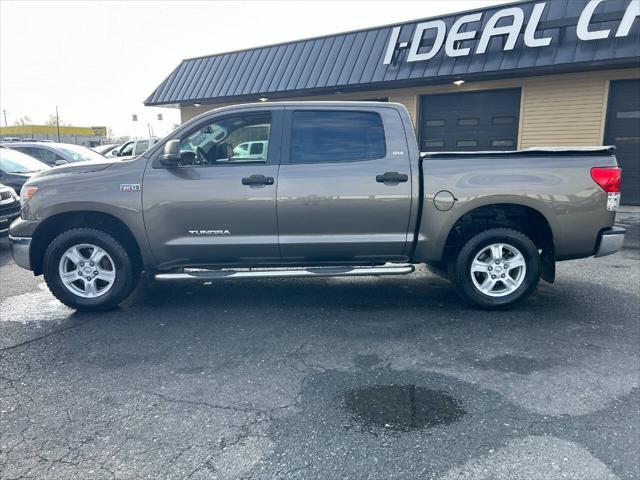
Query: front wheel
column 496, row 268
column 88, row 269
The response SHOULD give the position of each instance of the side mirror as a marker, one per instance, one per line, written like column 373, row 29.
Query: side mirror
column 171, row 155
column 61, row 162
column 114, row 153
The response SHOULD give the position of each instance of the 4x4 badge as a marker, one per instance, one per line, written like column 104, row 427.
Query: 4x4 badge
column 130, row 187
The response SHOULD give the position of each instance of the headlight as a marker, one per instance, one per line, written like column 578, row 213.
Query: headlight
column 26, row 193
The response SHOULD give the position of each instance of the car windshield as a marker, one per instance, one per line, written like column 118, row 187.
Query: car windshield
column 77, row 153
column 12, row 161
column 102, row 149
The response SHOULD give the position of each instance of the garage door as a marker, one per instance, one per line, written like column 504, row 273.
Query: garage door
column 623, row 131
column 486, row 120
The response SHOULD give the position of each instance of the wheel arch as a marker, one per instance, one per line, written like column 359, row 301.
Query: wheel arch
column 524, row 218
column 54, row 225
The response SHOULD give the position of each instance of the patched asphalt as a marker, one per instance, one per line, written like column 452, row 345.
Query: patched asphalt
column 327, row 378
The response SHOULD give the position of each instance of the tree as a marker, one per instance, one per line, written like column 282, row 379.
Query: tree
column 25, row 120
column 51, row 121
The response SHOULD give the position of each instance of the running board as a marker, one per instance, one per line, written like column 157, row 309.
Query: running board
column 206, row 275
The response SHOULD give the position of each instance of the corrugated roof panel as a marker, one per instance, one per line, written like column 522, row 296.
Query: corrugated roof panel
column 318, row 66
column 230, row 77
column 330, row 63
column 293, row 67
column 354, row 59
column 245, row 73
column 192, row 77
column 375, row 53
column 309, row 57
column 262, row 67
column 180, row 77
column 217, row 75
column 242, row 69
column 340, row 60
column 271, row 78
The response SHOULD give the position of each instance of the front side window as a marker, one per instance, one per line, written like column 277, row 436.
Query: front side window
column 228, row 141
column 327, row 136
column 127, row 150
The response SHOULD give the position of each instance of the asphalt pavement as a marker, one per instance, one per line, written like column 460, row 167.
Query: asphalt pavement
column 326, row 378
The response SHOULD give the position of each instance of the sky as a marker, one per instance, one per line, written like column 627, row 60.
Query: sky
column 99, row 60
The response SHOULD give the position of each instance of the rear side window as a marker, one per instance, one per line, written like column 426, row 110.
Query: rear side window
column 141, row 147
column 326, row 136
column 256, row 149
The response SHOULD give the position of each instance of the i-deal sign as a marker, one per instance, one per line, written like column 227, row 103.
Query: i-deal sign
column 453, row 40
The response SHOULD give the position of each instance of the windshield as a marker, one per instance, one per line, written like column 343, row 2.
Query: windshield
column 78, row 153
column 102, row 149
column 12, row 161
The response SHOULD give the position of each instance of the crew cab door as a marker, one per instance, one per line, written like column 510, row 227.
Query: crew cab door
column 218, row 206
column 344, row 187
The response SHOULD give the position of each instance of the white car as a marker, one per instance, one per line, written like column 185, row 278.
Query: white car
column 250, row 150
column 133, row 148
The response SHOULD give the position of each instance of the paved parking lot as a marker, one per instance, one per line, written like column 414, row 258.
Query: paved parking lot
column 317, row 379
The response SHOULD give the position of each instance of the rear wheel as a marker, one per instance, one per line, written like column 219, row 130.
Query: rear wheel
column 496, row 268
column 88, row 269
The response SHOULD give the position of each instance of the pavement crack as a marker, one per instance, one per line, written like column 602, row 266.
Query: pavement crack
column 36, row 339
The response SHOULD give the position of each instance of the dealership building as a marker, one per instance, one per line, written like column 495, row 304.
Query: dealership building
column 520, row 75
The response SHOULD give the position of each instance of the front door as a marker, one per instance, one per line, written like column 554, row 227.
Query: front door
column 344, row 188
column 219, row 206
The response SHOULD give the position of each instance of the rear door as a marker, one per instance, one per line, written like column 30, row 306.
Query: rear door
column 344, row 189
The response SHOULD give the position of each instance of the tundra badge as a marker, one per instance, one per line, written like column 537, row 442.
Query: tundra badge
column 210, row 232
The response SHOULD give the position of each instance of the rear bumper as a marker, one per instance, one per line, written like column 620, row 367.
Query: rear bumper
column 20, row 247
column 610, row 241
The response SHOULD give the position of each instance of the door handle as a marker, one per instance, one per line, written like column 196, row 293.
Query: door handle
column 392, row 177
column 254, row 180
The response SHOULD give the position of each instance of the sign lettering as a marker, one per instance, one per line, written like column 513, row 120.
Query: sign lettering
column 514, row 18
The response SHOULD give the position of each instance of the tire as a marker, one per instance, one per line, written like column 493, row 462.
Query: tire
column 95, row 286
column 479, row 272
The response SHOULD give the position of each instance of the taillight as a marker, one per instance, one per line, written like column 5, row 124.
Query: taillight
column 610, row 180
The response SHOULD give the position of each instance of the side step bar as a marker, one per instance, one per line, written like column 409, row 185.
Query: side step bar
column 205, row 275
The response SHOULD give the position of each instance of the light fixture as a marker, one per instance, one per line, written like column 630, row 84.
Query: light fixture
column 263, row 99
column 458, row 82
column 196, row 104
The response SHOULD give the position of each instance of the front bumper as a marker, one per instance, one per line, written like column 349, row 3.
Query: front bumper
column 610, row 241
column 20, row 250
column 5, row 221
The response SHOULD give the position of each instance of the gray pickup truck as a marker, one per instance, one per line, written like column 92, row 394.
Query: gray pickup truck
column 336, row 189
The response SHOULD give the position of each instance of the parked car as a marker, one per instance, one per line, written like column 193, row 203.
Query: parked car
column 353, row 196
column 16, row 168
column 11, row 139
column 106, row 149
column 9, row 208
column 250, row 151
column 133, row 148
column 56, row 153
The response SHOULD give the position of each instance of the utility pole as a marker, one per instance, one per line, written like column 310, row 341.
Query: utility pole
column 4, row 112
column 58, row 123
